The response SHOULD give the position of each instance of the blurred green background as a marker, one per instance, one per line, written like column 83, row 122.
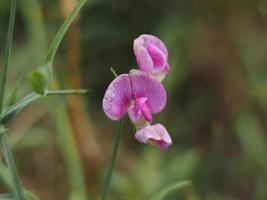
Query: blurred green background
column 217, row 96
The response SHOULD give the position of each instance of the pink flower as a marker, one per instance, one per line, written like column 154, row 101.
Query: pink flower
column 154, row 134
column 151, row 55
column 139, row 94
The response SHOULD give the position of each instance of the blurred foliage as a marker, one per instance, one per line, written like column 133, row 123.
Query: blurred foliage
column 217, row 96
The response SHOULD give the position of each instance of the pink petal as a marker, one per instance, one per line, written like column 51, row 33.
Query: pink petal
column 118, row 97
column 140, row 111
column 158, row 58
column 151, row 55
column 154, row 134
column 151, row 39
column 143, row 58
column 145, row 85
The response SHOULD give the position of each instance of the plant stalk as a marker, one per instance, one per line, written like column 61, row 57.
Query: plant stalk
column 113, row 160
column 17, row 185
column 7, row 52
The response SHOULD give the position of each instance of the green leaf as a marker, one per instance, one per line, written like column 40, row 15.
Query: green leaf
column 9, row 113
column 7, row 51
column 12, row 97
column 5, row 176
column 6, row 196
column 62, row 31
column 17, row 190
column 170, row 189
column 30, row 195
column 252, row 138
column 40, row 78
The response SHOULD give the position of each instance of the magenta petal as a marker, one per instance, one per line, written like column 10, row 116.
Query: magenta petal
column 145, row 85
column 158, row 58
column 146, row 112
column 139, row 111
column 155, row 134
column 117, row 98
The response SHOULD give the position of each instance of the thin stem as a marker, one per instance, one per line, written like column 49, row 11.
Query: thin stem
column 69, row 152
column 113, row 160
column 18, row 187
column 113, row 72
column 67, row 92
column 13, row 110
column 7, row 51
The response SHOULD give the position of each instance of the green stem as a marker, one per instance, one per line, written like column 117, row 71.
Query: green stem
column 17, row 185
column 13, row 110
column 62, row 31
column 7, row 51
column 69, row 152
column 113, row 160
column 67, row 92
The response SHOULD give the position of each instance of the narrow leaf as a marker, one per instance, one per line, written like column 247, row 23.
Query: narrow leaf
column 62, row 31
column 12, row 111
column 252, row 138
column 17, row 185
column 5, row 176
column 12, row 97
column 170, row 189
column 7, row 51
column 6, row 196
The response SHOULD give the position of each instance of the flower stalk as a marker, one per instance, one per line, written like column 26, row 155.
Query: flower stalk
column 113, row 160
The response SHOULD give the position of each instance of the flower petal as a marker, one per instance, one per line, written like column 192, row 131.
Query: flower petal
column 140, row 111
column 146, row 39
column 142, row 56
column 118, row 97
column 145, row 85
column 154, row 134
column 158, row 58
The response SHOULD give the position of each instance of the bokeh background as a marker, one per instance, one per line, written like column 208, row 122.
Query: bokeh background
column 217, row 97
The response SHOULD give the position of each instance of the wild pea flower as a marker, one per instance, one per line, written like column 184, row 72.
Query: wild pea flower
column 154, row 134
column 139, row 94
column 151, row 55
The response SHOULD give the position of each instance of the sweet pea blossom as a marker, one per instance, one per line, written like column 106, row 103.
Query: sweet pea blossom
column 139, row 94
column 151, row 55
column 154, row 134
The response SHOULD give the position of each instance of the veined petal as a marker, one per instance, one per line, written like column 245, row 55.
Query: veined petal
column 118, row 97
column 145, row 85
column 154, row 134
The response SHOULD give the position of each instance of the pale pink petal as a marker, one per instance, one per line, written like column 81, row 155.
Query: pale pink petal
column 151, row 55
column 154, row 134
column 143, row 58
column 148, row 39
column 147, row 113
column 139, row 110
column 118, row 97
column 145, row 85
